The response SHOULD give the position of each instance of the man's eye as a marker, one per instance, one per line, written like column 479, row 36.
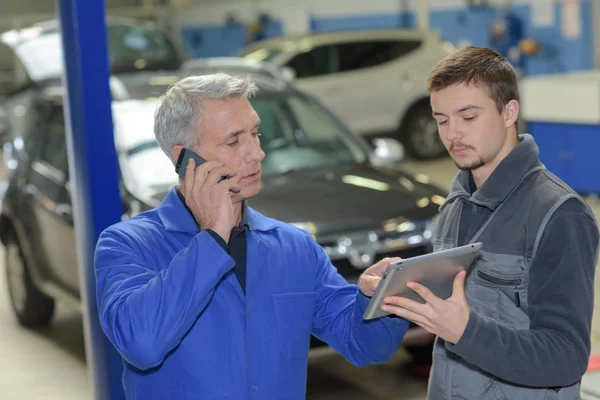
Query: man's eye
column 442, row 122
column 232, row 143
column 470, row 118
column 257, row 134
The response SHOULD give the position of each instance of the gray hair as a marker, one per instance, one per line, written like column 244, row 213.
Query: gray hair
column 179, row 113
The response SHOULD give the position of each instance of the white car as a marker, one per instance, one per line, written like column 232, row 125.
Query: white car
column 375, row 81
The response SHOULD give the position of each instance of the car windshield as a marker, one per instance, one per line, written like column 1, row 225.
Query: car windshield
column 132, row 48
column 298, row 133
column 146, row 170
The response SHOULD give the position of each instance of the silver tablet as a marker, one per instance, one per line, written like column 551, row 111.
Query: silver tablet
column 436, row 271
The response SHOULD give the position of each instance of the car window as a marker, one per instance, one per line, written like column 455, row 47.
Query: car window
column 30, row 127
column 132, row 48
column 298, row 133
column 273, row 122
column 359, row 55
column 54, row 151
column 321, row 60
column 13, row 76
column 48, row 173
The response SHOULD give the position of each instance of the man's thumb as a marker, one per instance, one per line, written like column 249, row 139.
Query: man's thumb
column 458, row 288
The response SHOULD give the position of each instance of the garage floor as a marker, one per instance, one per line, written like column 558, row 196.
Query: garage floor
column 50, row 364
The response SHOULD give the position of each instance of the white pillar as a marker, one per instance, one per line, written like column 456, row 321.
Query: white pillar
column 596, row 31
column 422, row 14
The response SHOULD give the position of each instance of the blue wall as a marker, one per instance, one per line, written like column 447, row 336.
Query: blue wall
column 473, row 25
column 221, row 40
column 364, row 22
column 558, row 54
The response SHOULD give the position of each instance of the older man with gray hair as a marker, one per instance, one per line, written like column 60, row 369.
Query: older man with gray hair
column 204, row 297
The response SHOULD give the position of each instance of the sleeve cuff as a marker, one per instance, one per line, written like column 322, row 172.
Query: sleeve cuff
column 362, row 302
column 217, row 239
column 464, row 343
column 360, row 305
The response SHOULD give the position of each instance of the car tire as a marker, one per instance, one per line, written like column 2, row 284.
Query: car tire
column 419, row 134
column 32, row 308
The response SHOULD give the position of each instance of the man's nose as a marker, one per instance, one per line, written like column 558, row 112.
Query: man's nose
column 257, row 153
column 455, row 131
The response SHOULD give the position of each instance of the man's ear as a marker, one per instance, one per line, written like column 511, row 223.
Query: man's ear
column 175, row 151
column 511, row 113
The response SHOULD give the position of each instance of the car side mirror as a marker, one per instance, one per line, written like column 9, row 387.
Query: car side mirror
column 387, row 151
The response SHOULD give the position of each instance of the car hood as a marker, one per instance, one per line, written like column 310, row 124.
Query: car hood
column 348, row 198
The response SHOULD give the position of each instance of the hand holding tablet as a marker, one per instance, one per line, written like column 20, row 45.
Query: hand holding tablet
column 436, row 271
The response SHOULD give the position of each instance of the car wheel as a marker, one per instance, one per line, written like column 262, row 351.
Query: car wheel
column 419, row 134
column 33, row 308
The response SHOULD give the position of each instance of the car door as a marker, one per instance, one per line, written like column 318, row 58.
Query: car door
column 367, row 82
column 316, row 70
column 48, row 188
column 376, row 88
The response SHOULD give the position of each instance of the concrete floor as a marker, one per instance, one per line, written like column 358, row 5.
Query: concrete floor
column 50, row 364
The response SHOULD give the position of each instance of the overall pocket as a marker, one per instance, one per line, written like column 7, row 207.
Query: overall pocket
column 294, row 313
column 499, row 287
column 512, row 298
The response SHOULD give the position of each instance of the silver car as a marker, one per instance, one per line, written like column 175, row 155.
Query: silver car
column 373, row 80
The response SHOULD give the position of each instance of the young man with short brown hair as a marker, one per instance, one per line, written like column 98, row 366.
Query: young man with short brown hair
column 518, row 326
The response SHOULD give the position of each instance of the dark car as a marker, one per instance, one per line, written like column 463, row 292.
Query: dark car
column 317, row 175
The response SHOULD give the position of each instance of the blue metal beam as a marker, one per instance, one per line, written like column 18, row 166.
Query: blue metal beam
column 93, row 170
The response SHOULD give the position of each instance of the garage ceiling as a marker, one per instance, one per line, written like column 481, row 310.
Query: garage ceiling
column 16, row 7
column 47, row 6
column 19, row 13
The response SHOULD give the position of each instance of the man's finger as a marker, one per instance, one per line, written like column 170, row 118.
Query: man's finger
column 232, row 187
column 188, row 179
column 406, row 303
column 371, row 282
column 458, row 286
column 215, row 174
column 409, row 315
column 388, row 260
column 423, row 292
column 380, row 267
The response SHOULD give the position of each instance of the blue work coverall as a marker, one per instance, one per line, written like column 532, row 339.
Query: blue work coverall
column 170, row 303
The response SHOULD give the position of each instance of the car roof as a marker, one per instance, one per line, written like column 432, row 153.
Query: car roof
column 264, row 74
column 53, row 90
column 139, row 111
column 313, row 39
column 53, row 24
column 14, row 37
column 267, row 77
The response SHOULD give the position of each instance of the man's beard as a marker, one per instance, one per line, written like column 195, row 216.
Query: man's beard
column 467, row 167
column 471, row 166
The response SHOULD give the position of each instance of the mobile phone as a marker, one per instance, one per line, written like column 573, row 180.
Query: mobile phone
column 182, row 160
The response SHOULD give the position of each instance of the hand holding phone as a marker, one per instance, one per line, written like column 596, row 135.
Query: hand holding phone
column 182, row 161
column 207, row 190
